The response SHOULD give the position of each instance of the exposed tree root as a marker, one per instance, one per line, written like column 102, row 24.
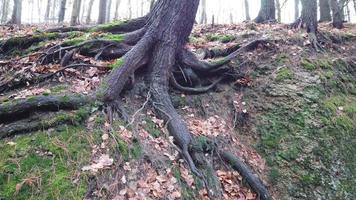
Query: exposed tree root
column 255, row 183
column 176, row 85
column 12, row 111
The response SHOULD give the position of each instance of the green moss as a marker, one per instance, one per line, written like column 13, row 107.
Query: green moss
column 53, row 158
column 75, row 34
column 109, row 26
column 308, row 65
column 284, row 74
column 113, row 37
column 117, row 64
column 151, row 128
column 74, row 41
column 136, row 149
column 124, row 150
column 221, row 38
column 58, row 89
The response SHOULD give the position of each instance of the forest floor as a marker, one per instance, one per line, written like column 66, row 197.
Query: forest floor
column 290, row 116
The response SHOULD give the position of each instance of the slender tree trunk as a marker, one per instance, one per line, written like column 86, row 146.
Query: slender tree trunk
column 309, row 15
column 325, row 12
column 48, row 8
column 62, row 11
column 279, row 11
column 203, row 19
column 296, row 9
column 90, row 7
column 336, row 14
column 267, row 12
column 108, row 11
column 16, row 12
column 354, row 1
column 130, row 9
column 247, row 10
column 116, row 15
column 75, row 12
column 102, row 11
column 4, row 11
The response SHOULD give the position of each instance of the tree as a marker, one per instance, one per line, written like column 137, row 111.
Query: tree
column 279, row 11
column 336, row 12
column 16, row 13
column 325, row 12
column 296, row 9
column 130, row 9
column 102, row 11
column 74, row 20
column 90, row 7
column 62, row 11
column 116, row 15
column 247, row 10
column 203, row 18
column 48, row 8
column 4, row 11
column 267, row 12
column 108, row 11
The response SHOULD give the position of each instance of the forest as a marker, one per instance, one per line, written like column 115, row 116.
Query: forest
column 178, row 99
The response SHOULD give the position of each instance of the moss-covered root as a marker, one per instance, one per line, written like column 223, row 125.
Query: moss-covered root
column 44, row 122
column 12, row 111
column 247, row 174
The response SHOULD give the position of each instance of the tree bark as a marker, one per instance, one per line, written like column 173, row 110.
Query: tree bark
column 75, row 12
column 247, row 10
column 309, row 15
column 90, row 7
column 108, row 11
column 4, row 11
column 279, row 11
column 16, row 13
column 325, row 12
column 296, row 9
column 203, row 19
column 267, row 12
column 48, row 9
column 336, row 14
column 116, row 15
column 102, row 12
column 62, row 11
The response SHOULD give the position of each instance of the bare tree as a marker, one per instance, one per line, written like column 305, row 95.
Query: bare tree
column 203, row 18
column 48, row 8
column 108, row 11
column 16, row 12
column 116, row 15
column 4, row 11
column 75, row 12
column 90, row 7
column 279, row 10
column 336, row 14
column 102, row 11
column 247, row 10
column 130, row 9
column 267, row 12
column 325, row 12
column 62, row 10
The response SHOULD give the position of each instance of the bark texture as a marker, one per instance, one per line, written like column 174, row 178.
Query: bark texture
column 75, row 12
column 267, row 12
column 102, row 11
column 62, row 11
column 337, row 14
column 325, row 12
column 90, row 7
column 16, row 12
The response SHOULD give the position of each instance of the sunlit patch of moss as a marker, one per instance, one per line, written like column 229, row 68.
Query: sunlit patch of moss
column 113, row 37
column 108, row 26
column 74, row 41
column 221, row 38
column 117, row 64
column 75, row 34
column 284, row 74
column 52, row 160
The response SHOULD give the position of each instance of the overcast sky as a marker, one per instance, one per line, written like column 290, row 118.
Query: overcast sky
column 221, row 9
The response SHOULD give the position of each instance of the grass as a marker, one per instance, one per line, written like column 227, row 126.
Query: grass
column 284, row 74
column 49, row 162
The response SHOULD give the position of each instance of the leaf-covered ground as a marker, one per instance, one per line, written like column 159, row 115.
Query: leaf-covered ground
column 291, row 117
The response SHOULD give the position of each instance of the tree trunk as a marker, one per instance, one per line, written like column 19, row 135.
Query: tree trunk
column 48, row 9
column 296, row 9
column 267, row 12
column 247, row 11
column 130, row 9
column 116, row 15
column 203, row 19
column 336, row 14
column 102, row 12
column 75, row 12
column 152, row 4
column 279, row 11
column 108, row 11
column 90, row 7
column 325, row 12
column 4, row 11
column 62, row 11
column 16, row 12
column 309, row 15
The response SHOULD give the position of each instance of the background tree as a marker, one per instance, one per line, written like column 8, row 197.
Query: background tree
column 279, row 10
column 48, row 9
column 16, row 12
column 4, row 11
column 116, row 15
column 325, row 12
column 62, row 11
column 102, row 11
column 130, row 9
column 108, row 11
column 336, row 14
column 74, row 20
column 267, row 12
column 203, row 18
column 296, row 9
column 90, row 7
column 247, row 10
